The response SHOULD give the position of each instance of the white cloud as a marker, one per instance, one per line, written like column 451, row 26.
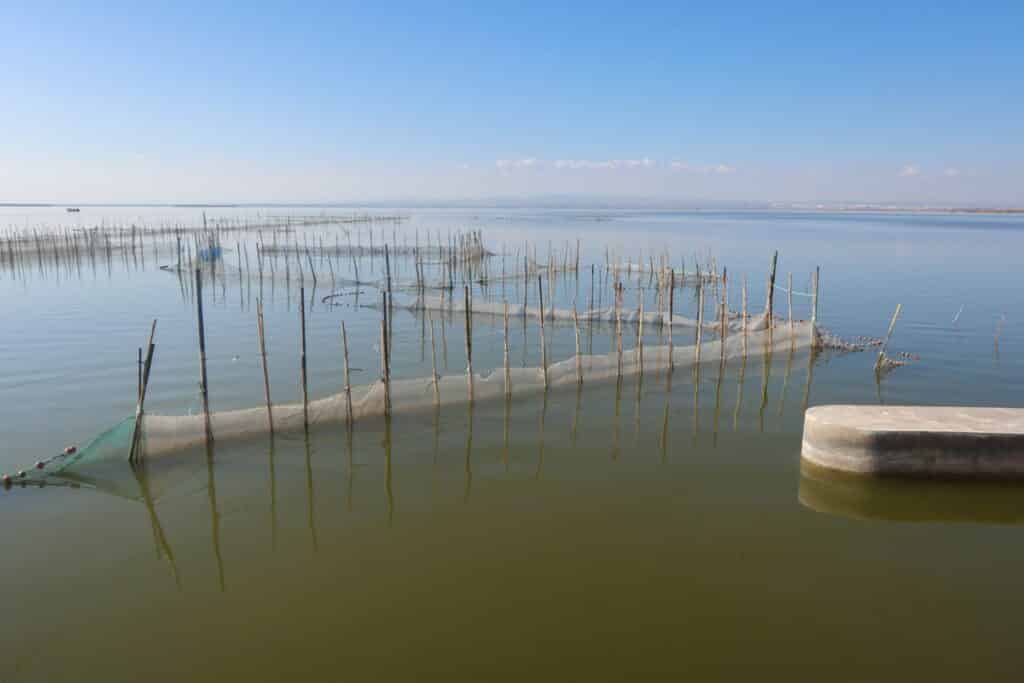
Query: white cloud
column 715, row 169
column 951, row 172
column 577, row 164
column 909, row 171
column 505, row 164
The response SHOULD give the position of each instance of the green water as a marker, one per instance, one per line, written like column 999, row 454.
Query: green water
column 609, row 534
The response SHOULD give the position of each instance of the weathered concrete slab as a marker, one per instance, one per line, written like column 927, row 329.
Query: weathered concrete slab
column 916, row 440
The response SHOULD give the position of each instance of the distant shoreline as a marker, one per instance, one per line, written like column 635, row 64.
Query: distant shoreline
column 540, row 204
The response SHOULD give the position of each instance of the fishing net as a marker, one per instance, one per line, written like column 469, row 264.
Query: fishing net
column 166, row 433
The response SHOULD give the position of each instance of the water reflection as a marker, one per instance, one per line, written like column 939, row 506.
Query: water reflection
column 910, row 500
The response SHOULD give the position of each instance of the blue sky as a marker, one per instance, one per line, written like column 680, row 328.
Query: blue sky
column 363, row 101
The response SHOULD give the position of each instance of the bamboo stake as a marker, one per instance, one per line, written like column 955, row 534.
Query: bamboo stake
column 469, row 343
column 700, row 320
column 263, row 355
column 348, row 383
column 814, row 308
column 790, row 298
column 543, row 342
column 618, row 328
column 769, row 306
column 579, row 353
column 888, row 336
column 508, row 370
column 302, row 358
column 140, row 407
column 433, row 365
column 671, row 309
column 203, row 387
column 745, row 323
column 640, row 332
column 384, row 363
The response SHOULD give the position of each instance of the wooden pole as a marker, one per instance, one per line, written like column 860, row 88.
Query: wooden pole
column 348, row 382
column 260, row 327
column 203, row 387
column 384, row 358
column 618, row 329
column 789, row 296
column 469, row 342
column 141, row 405
column 640, row 332
column 302, row 358
column 744, row 316
column 671, row 309
column 888, row 336
column 700, row 318
column 543, row 342
column 433, row 366
column 508, row 370
column 579, row 354
column 769, row 307
column 814, row 308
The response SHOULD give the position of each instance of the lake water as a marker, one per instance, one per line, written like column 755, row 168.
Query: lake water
column 601, row 534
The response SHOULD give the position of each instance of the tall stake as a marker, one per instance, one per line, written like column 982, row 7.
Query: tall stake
column 744, row 316
column 348, row 383
column 579, row 354
column 640, row 332
column 543, row 343
column 263, row 355
column 671, row 308
column 141, row 406
column 302, row 358
column 888, row 336
column 789, row 284
column 508, row 370
column 385, row 364
column 814, row 308
column 700, row 318
column 433, row 366
column 769, row 306
column 203, row 391
column 469, row 342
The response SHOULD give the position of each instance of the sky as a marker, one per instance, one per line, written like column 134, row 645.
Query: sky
column 371, row 101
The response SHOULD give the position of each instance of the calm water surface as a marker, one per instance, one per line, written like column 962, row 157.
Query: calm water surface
column 599, row 534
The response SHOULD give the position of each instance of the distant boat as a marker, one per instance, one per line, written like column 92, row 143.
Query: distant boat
column 73, row 209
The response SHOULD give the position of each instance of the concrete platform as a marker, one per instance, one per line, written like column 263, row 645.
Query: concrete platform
column 916, row 440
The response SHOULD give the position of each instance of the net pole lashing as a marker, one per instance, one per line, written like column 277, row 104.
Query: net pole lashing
column 814, row 307
column 543, row 341
column 579, row 352
column 302, row 357
column 888, row 336
column 261, row 332
column 433, row 366
column 469, row 341
column 204, row 393
column 508, row 369
column 133, row 452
